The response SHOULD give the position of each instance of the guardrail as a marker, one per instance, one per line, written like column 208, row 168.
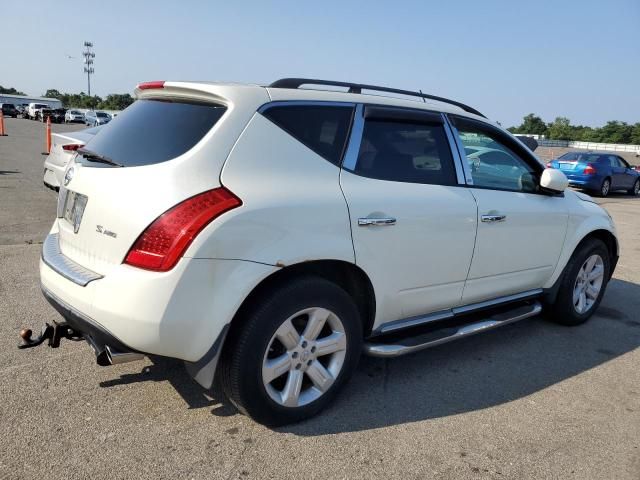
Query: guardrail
column 610, row 147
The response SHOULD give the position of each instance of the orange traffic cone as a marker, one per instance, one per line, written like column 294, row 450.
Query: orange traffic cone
column 48, row 136
column 2, row 132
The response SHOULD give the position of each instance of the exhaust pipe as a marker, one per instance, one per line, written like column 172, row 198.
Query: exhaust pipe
column 117, row 357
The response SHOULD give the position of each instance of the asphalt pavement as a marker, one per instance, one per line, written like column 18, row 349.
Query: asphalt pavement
column 530, row 400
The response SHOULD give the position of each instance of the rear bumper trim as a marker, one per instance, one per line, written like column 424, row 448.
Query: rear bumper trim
column 54, row 258
column 94, row 333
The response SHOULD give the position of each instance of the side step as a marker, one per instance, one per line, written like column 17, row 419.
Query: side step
column 446, row 334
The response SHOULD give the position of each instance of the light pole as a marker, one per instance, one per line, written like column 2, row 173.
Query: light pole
column 88, row 64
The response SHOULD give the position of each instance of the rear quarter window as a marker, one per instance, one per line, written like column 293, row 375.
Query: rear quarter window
column 324, row 129
column 154, row 131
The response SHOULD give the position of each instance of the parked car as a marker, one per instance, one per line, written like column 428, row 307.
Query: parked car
column 9, row 110
column 20, row 109
column 93, row 118
column 272, row 242
column 63, row 148
column 598, row 172
column 58, row 115
column 73, row 116
column 33, row 110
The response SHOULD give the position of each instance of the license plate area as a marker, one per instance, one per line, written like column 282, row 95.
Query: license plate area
column 71, row 207
column 567, row 166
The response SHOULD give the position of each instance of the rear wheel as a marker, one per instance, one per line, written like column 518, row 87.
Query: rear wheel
column 583, row 284
column 293, row 352
column 635, row 189
column 605, row 188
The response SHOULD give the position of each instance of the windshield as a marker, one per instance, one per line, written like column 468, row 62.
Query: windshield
column 579, row 157
column 154, row 131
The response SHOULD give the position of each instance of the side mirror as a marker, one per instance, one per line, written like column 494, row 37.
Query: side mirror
column 554, row 180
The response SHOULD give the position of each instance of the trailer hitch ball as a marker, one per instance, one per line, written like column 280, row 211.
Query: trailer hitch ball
column 25, row 334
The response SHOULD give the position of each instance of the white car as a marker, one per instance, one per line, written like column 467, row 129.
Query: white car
column 270, row 235
column 63, row 148
column 73, row 116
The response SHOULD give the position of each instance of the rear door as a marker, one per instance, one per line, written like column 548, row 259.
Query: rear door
column 623, row 172
column 520, row 230
column 413, row 225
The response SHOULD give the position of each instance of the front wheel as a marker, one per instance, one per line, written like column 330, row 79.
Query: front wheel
column 294, row 351
column 583, row 284
column 635, row 189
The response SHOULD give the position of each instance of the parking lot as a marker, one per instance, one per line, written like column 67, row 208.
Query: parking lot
column 530, row 400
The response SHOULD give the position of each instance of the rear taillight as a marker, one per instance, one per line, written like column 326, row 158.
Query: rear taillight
column 162, row 244
column 72, row 147
column 150, row 85
column 589, row 170
column 549, row 165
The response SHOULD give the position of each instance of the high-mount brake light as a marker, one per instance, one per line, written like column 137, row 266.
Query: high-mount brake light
column 150, row 85
column 163, row 242
column 72, row 147
column 589, row 169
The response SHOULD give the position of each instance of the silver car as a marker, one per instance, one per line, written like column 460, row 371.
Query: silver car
column 72, row 116
column 94, row 118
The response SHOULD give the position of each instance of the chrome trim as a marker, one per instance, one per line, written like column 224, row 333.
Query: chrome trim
column 492, row 303
column 317, row 103
column 395, row 350
column 413, row 321
column 62, row 198
column 492, row 218
column 465, row 165
column 403, row 323
column 55, row 259
column 376, row 222
column 355, row 139
column 454, row 151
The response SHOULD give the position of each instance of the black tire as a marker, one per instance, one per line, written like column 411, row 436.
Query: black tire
column 563, row 311
column 605, row 188
column 244, row 351
column 635, row 189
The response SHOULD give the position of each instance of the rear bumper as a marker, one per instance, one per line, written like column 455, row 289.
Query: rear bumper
column 53, row 174
column 589, row 183
column 178, row 314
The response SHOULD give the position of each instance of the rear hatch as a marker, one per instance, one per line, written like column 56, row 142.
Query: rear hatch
column 168, row 146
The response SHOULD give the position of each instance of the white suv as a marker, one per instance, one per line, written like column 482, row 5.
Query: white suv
column 269, row 235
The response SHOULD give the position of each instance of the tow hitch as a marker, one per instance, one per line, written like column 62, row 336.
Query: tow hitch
column 54, row 333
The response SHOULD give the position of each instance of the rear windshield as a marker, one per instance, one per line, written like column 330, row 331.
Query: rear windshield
column 154, row 131
column 101, row 114
column 580, row 157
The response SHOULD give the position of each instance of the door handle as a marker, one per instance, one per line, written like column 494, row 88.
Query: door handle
column 493, row 218
column 376, row 222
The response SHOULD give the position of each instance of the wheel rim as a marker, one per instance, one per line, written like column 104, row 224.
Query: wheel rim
column 605, row 187
column 636, row 187
column 304, row 357
column 588, row 284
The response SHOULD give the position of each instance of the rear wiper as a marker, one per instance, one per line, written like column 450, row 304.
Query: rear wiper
column 96, row 157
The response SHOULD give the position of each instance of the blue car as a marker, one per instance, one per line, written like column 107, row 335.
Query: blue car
column 598, row 172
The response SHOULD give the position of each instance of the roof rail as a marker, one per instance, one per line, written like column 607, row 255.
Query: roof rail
column 358, row 87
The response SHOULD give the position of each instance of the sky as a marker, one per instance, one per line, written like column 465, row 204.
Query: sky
column 574, row 58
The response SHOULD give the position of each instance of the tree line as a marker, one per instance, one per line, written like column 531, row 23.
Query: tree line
column 113, row 101
column 10, row 91
column 561, row 129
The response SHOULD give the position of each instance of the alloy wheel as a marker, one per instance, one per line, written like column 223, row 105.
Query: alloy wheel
column 606, row 185
column 588, row 283
column 304, row 357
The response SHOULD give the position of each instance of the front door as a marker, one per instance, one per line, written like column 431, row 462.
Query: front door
column 520, row 229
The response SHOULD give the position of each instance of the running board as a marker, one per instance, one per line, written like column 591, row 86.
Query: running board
column 448, row 334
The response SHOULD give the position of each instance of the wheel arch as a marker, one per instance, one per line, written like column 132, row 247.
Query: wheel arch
column 346, row 275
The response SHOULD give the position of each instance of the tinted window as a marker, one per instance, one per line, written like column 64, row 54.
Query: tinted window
column 405, row 152
column 101, row 114
column 493, row 163
column 323, row 129
column 153, row 131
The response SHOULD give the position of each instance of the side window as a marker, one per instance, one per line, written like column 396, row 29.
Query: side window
column 613, row 161
column 405, row 152
column 623, row 163
column 492, row 162
column 323, row 129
